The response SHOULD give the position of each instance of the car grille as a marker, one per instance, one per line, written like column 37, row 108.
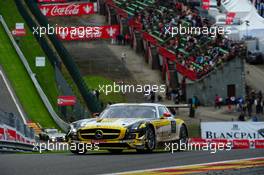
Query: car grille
column 95, row 133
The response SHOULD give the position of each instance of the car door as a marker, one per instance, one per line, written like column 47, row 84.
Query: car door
column 168, row 124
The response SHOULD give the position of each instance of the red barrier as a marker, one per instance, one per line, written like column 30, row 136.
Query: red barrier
column 135, row 25
column 2, row 133
column 88, row 33
column 167, row 54
column 150, row 38
column 259, row 144
column 186, row 72
column 241, row 144
column 11, row 135
column 67, row 9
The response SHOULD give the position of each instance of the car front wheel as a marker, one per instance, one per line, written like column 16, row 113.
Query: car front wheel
column 150, row 141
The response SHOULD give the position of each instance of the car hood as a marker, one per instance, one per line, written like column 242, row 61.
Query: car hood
column 114, row 122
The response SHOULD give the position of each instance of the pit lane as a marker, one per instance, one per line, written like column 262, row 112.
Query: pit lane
column 103, row 163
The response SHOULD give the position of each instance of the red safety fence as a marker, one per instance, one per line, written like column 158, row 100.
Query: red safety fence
column 150, row 38
column 8, row 133
column 167, row 54
column 186, row 72
column 67, row 9
column 136, row 25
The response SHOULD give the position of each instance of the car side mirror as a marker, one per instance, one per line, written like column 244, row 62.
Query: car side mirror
column 165, row 115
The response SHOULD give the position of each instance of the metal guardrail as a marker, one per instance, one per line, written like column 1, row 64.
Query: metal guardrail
column 63, row 125
column 10, row 146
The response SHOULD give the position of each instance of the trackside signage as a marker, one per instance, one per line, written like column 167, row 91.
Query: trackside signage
column 233, row 130
column 67, row 9
column 66, row 100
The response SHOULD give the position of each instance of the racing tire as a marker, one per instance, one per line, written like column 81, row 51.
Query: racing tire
column 150, row 144
column 183, row 137
column 115, row 151
column 78, row 150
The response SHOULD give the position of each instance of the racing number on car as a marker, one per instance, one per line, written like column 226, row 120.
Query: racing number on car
column 173, row 126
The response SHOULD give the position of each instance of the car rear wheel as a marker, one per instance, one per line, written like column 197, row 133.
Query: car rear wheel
column 115, row 151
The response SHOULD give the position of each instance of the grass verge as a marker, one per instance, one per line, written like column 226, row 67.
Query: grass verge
column 31, row 49
column 94, row 81
column 22, row 83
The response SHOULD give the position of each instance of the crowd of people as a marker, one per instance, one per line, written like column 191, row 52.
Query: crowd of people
column 199, row 53
column 252, row 106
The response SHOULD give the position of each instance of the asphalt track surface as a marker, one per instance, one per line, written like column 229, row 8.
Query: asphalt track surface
column 102, row 163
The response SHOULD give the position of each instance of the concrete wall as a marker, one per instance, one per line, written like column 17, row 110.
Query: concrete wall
column 217, row 81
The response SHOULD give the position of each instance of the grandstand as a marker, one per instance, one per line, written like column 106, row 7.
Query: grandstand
column 193, row 56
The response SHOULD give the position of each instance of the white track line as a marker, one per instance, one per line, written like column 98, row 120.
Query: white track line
column 183, row 166
column 13, row 97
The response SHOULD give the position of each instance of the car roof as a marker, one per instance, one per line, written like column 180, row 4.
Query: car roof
column 138, row 104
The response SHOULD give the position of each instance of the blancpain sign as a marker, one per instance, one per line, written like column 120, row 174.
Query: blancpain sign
column 232, row 130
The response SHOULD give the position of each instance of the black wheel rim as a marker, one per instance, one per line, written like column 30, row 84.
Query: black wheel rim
column 150, row 139
column 183, row 136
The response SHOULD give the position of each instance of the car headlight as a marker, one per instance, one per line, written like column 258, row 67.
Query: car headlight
column 136, row 127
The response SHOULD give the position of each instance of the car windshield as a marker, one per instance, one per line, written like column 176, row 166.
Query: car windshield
column 129, row 111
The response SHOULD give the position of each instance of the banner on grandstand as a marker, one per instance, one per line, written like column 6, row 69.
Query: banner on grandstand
column 206, row 4
column 66, row 101
column 230, row 17
column 233, row 130
column 67, row 9
column 88, row 33
column 52, row 0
